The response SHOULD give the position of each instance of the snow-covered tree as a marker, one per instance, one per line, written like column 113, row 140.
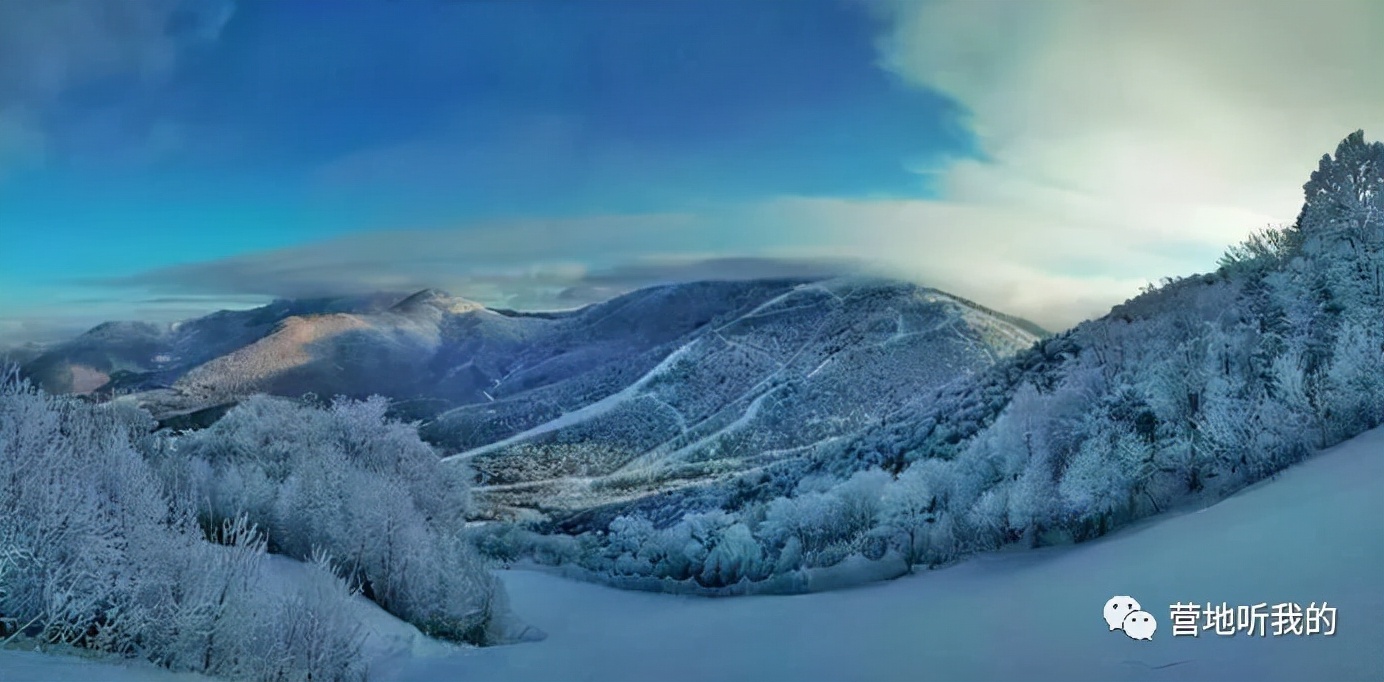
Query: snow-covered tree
column 1355, row 380
column 1043, row 429
column 735, row 554
column 917, row 511
column 93, row 553
column 854, row 505
column 348, row 480
column 1101, row 484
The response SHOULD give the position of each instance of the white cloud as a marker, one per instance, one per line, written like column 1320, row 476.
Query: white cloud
column 1126, row 140
column 517, row 263
column 1050, row 275
column 50, row 47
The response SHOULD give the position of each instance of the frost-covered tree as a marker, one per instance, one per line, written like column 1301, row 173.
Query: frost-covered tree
column 1355, row 380
column 800, row 520
column 632, row 545
column 1262, row 251
column 735, row 555
column 1341, row 219
column 917, row 512
column 1103, row 481
column 94, row 554
column 347, row 480
column 824, row 526
column 854, row 505
column 1045, row 429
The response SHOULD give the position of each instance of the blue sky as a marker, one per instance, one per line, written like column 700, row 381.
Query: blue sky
column 297, row 121
column 162, row 158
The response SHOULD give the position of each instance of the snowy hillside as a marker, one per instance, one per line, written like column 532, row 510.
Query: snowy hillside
column 382, row 637
column 658, row 389
column 809, row 365
column 1310, row 535
column 44, row 667
column 1183, row 395
column 139, row 355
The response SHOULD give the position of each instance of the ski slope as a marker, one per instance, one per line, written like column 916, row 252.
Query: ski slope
column 596, row 409
column 1315, row 533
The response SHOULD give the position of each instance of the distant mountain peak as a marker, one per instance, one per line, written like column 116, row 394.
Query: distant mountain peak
column 123, row 327
column 439, row 299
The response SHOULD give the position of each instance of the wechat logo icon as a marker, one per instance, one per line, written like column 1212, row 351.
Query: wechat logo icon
column 1123, row 613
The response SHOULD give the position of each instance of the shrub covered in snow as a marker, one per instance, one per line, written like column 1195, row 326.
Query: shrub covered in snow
column 346, row 480
column 94, row 554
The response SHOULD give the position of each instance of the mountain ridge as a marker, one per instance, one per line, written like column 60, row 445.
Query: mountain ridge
column 563, row 411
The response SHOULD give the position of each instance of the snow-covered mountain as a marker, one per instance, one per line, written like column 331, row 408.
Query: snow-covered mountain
column 809, row 364
column 652, row 390
column 140, row 355
column 1187, row 393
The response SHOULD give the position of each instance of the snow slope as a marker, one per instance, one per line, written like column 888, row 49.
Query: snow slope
column 1312, row 534
column 758, row 386
column 31, row 666
column 385, row 640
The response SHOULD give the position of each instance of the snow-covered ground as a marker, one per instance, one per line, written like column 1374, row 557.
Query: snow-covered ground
column 1314, row 534
column 386, row 640
column 31, row 666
